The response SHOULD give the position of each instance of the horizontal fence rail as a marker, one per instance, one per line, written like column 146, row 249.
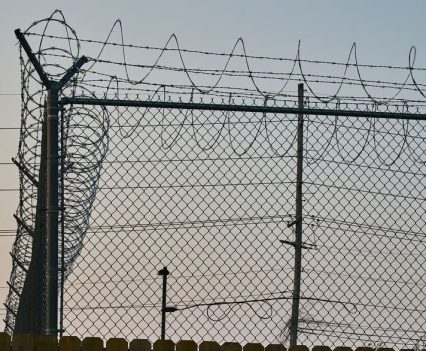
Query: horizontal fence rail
column 243, row 108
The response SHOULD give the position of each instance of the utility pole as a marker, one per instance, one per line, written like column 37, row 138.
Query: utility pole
column 294, row 322
column 52, row 182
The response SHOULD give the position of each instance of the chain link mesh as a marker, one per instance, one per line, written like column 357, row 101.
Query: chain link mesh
column 210, row 194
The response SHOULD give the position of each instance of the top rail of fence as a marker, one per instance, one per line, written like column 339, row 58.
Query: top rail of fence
column 241, row 108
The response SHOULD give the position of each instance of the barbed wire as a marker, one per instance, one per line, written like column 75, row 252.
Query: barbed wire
column 297, row 61
column 156, row 48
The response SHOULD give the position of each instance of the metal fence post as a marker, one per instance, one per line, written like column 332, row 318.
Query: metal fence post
column 52, row 181
column 62, row 212
column 52, row 210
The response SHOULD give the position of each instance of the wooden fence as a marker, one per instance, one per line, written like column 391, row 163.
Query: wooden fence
column 27, row 342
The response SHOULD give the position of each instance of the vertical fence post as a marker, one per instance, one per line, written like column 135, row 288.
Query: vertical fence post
column 52, row 210
column 62, row 211
column 52, row 180
column 294, row 323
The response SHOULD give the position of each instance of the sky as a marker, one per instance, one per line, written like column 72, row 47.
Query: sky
column 383, row 29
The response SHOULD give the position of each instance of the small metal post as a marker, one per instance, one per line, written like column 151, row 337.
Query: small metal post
column 164, row 272
column 294, row 323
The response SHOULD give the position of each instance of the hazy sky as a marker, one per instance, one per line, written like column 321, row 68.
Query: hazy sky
column 384, row 31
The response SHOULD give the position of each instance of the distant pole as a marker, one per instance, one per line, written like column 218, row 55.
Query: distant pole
column 294, row 323
column 164, row 272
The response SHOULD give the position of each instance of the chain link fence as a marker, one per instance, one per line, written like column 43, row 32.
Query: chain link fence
column 204, row 182
column 210, row 195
